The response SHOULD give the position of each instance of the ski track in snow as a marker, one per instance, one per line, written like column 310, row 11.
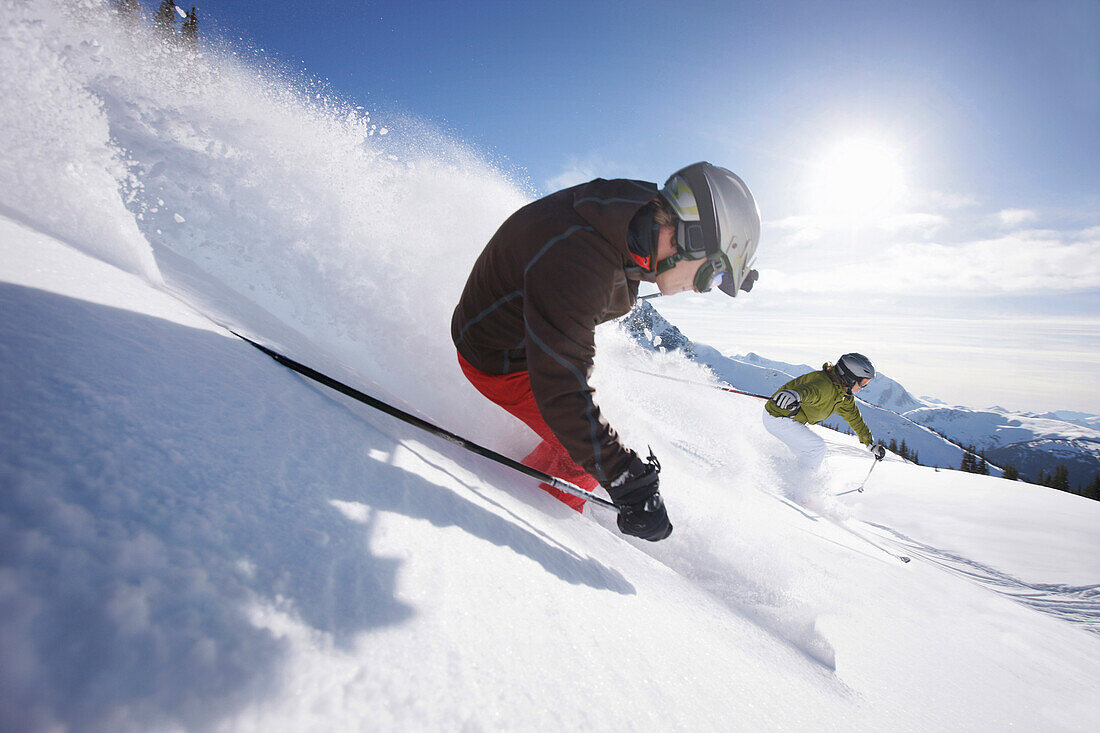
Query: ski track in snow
column 1077, row 604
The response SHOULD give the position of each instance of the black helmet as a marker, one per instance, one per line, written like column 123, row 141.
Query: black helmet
column 854, row 368
column 719, row 220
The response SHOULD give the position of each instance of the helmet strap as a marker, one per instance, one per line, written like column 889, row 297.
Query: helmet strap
column 668, row 263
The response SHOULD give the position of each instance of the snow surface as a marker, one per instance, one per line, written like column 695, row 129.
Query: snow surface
column 194, row 538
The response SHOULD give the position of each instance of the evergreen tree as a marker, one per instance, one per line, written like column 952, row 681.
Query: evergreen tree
column 973, row 461
column 1092, row 490
column 904, row 449
column 191, row 27
column 1011, row 473
column 1060, row 480
column 165, row 19
column 893, row 445
column 967, row 464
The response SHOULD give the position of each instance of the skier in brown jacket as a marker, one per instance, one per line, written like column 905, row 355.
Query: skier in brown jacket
column 525, row 325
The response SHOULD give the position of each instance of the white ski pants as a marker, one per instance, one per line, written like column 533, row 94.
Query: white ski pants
column 807, row 445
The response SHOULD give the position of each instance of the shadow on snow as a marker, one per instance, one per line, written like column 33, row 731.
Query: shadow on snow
column 161, row 484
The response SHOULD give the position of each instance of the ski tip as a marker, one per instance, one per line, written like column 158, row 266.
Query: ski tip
column 903, row 558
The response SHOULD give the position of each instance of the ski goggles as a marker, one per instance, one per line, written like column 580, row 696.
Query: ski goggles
column 717, row 271
column 850, row 382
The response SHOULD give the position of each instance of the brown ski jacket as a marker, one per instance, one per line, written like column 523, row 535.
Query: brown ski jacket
column 555, row 270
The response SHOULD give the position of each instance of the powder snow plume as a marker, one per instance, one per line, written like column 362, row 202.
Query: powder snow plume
column 355, row 231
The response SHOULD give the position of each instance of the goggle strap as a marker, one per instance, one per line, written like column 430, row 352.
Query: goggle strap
column 700, row 189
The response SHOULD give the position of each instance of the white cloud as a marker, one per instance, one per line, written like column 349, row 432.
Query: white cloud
column 574, row 172
column 791, row 231
column 941, row 201
column 940, row 245
column 1017, row 263
column 927, row 223
column 1015, row 217
column 1020, row 263
column 793, row 223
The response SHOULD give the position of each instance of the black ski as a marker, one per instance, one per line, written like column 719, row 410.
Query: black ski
column 417, row 422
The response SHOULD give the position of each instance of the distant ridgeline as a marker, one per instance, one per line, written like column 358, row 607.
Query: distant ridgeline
column 1059, row 450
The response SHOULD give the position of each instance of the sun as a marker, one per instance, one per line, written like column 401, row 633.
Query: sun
column 857, row 180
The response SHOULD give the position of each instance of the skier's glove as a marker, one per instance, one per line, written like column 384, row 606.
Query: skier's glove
column 641, row 509
column 878, row 450
column 788, row 399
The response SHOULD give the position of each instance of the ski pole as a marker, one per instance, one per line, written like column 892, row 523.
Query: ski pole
column 862, row 484
column 316, row 376
column 860, row 487
column 724, row 388
column 721, row 387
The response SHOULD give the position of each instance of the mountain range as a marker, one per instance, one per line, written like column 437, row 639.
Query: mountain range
column 939, row 433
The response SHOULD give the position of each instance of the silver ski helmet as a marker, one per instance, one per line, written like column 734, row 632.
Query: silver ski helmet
column 719, row 220
column 853, row 368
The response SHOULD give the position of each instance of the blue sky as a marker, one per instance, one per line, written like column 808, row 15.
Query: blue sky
column 992, row 99
column 920, row 160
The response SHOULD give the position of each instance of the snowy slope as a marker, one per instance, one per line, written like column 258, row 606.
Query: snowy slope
column 1032, row 443
column 761, row 376
column 194, row 538
column 1083, row 419
column 887, row 408
column 883, row 391
column 198, row 538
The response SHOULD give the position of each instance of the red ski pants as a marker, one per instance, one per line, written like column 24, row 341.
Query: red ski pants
column 513, row 393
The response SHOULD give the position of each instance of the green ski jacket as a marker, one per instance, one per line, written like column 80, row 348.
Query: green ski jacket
column 822, row 395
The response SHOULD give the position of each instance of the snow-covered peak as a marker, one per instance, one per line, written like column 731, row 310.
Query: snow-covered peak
column 882, row 391
column 936, row 433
